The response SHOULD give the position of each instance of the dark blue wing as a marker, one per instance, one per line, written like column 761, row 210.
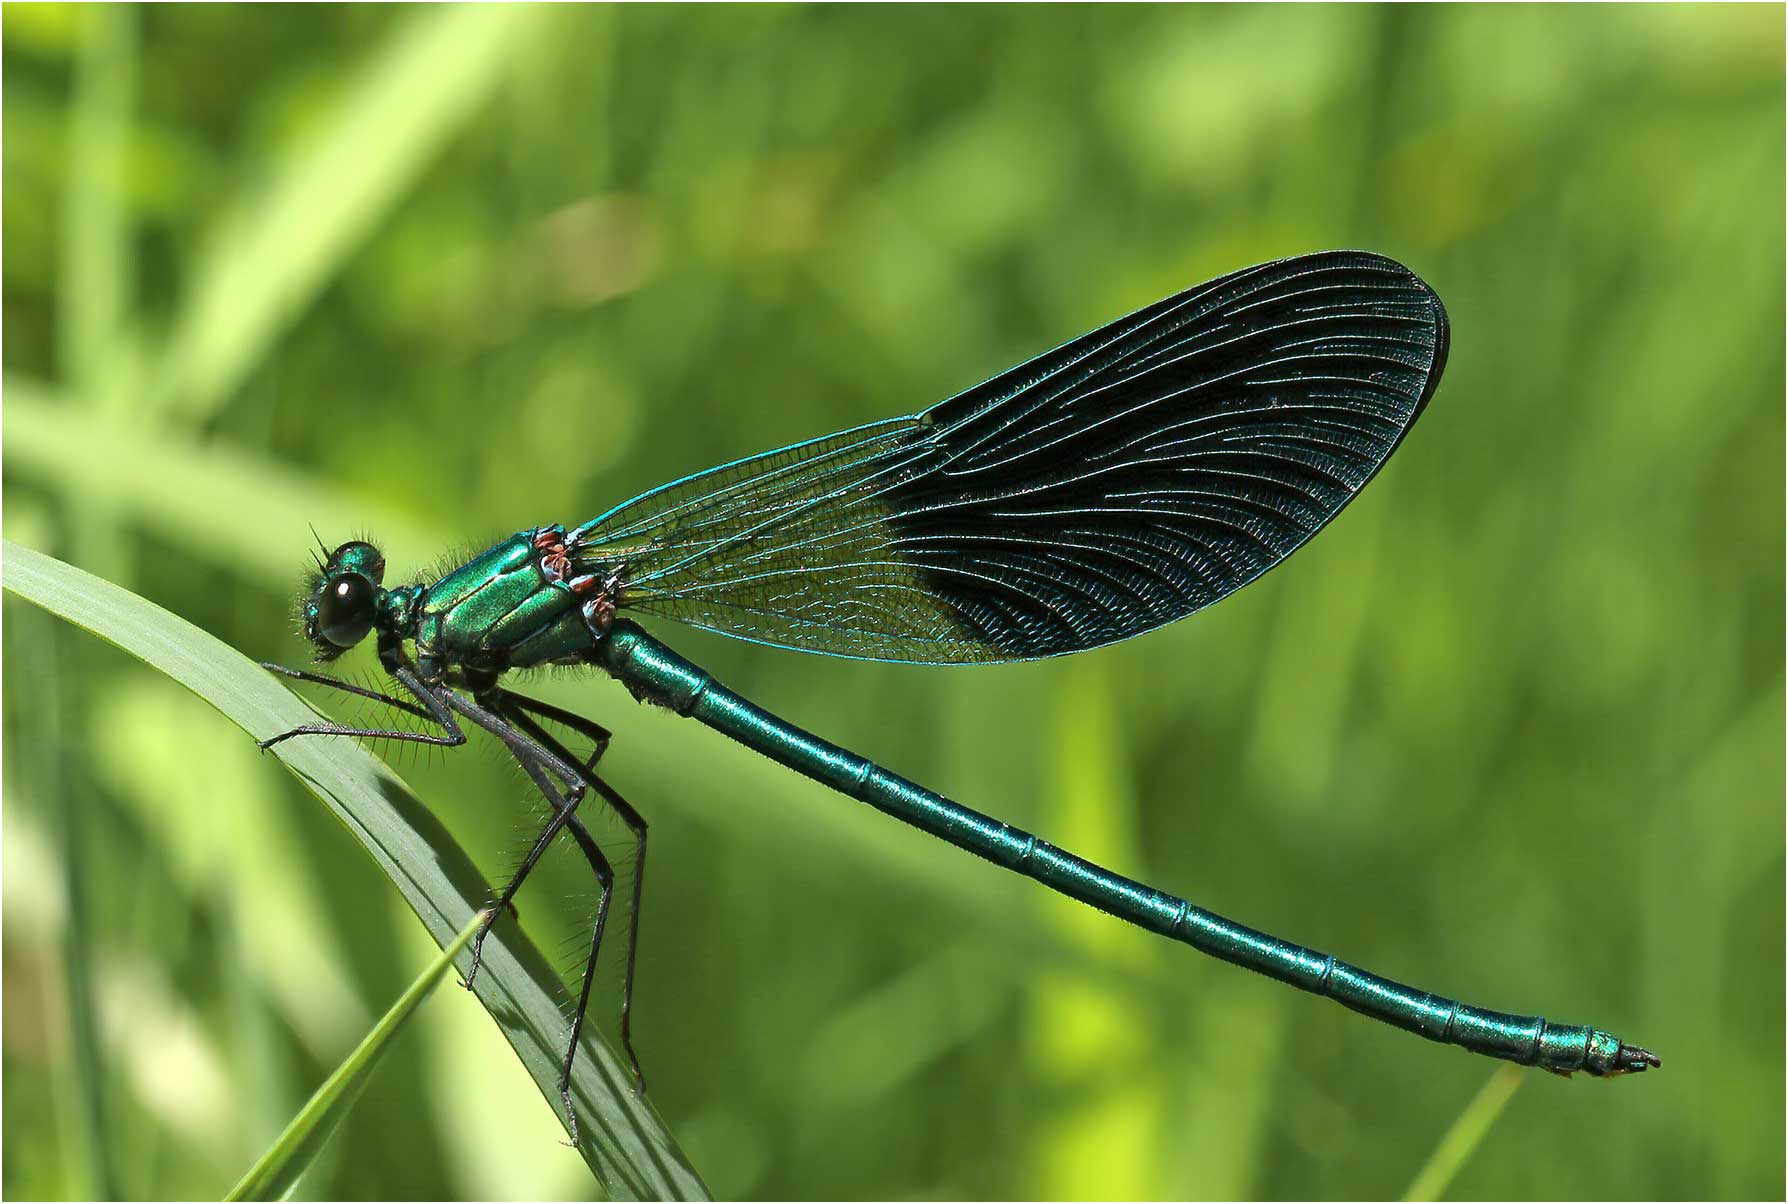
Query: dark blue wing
column 1117, row 483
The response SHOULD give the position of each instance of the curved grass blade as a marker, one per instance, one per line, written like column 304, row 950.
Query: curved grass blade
column 276, row 1172
column 624, row 1141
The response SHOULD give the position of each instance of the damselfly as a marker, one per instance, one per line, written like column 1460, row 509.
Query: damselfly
column 1108, row 487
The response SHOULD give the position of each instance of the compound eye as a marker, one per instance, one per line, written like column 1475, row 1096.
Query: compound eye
column 345, row 609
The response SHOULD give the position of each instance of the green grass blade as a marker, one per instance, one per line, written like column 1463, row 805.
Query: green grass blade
column 273, row 256
column 277, row 1171
column 623, row 1140
column 97, row 261
column 1465, row 1135
column 79, row 1096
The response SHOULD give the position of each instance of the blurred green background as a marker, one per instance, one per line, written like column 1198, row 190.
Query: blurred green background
column 1512, row 729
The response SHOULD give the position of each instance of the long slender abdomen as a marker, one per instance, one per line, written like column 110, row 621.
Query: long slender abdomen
column 656, row 674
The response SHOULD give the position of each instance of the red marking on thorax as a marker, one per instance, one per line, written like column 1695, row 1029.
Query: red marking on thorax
column 555, row 557
column 599, row 596
column 599, row 612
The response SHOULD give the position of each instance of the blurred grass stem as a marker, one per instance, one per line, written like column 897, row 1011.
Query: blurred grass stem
column 1467, row 1133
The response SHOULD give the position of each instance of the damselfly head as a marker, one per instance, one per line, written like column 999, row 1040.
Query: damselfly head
column 342, row 603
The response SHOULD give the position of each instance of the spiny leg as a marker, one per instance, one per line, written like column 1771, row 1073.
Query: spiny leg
column 346, row 687
column 598, row 735
column 605, row 878
column 432, row 699
column 438, row 705
column 637, row 825
column 516, row 706
column 534, row 758
column 537, row 752
column 537, row 760
column 563, row 806
column 605, row 875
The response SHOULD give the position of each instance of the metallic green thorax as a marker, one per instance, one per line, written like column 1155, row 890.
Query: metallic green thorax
column 513, row 606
